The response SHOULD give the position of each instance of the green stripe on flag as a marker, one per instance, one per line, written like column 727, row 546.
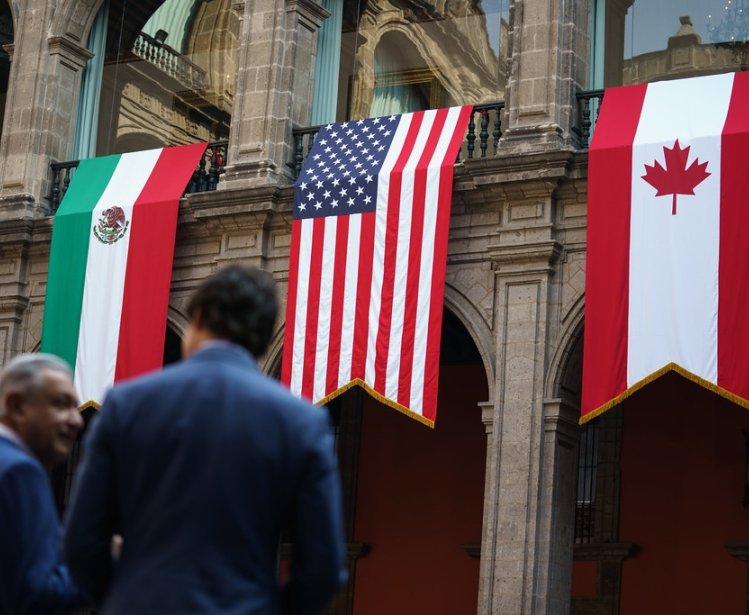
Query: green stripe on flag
column 71, row 234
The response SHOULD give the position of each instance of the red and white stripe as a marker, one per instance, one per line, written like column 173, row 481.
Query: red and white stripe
column 365, row 290
column 667, row 291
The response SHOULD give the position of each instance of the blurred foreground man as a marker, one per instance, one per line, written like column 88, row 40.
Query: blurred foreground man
column 39, row 423
column 200, row 467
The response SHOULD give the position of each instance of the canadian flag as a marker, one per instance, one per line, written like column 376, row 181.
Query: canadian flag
column 667, row 270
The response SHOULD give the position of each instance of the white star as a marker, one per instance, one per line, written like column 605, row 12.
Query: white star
column 360, row 190
column 302, row 206
column 303, row 186
column 318, row 205
column 386, row 133
column 334, row 203
column 319, row 184
column 336, row 181
column 367, row 200
column 350, row 202
column 343, row 192
column 316, row 157
column 352, row 180
column 369, row 179
column 326, row 194
column 310, row 196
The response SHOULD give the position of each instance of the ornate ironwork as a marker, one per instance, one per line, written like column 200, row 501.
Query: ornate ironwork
column 488, row 115
column 589, row 103
column 204, row 178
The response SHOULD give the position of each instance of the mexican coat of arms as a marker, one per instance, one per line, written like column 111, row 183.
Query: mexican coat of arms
column 112, row 225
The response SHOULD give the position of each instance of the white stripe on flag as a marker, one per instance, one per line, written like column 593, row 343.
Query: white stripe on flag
column 326, row 300
column 423, row 305
column 402, row 262
column 105, row 280
column 383, row 189
column 300, row 317
column 673, row 265
column 349, row 299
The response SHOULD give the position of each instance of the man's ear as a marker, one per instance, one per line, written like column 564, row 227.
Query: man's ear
column 14, row 408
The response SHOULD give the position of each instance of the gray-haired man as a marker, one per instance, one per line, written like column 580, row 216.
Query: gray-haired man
column 39, row 422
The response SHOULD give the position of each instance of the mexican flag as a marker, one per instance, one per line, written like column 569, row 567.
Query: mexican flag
column 111, row 262
column 667, row 270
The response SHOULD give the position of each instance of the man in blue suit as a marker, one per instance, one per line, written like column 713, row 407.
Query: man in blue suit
column 39, row 422
column 200, row 467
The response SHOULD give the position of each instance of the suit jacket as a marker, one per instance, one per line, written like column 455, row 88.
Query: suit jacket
column 200, row 467
column 32, row 577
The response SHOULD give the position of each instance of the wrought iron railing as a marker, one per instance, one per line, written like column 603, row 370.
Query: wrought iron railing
column 589, row 103
column 484, row 127
column 204, row 178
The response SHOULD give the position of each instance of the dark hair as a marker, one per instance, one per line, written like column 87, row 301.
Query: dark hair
column 238, row 304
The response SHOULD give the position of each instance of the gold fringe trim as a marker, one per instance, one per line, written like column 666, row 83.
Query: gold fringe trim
column 383, row 400
column 89, row 404
column 670, row 367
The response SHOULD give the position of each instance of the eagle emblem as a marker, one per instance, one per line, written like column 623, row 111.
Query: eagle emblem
column 112, row 225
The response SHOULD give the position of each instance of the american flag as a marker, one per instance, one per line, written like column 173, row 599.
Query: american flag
column 367, row 263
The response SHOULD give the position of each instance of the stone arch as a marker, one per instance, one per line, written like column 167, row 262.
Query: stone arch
column 478, row 329
column 563, row 378
column 74, row 19
column 458, row 305
column 270, row 362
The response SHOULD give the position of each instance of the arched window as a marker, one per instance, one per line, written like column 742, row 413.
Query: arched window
column 163, row 73
column 639, row 41
column 410, row 54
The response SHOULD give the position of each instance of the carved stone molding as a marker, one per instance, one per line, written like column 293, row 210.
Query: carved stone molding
column 72, row 55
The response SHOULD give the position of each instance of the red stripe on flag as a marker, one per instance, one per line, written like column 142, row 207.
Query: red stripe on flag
column 363, row 293
column 152, row 230
column 313, row 307
column 336, row 307
column 395, row 194
column 607, row 262
column 733, row 263
column 415, row 245
column 291, row 303
column 441, row 231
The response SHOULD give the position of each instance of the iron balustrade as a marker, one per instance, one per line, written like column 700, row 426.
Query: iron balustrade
column 204, row 178
column 589, row 103
column 484, row 126
column 487, row 130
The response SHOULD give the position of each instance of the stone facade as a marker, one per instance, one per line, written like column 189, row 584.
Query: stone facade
column 516, row 261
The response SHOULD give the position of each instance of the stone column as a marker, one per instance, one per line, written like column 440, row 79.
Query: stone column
column 40, row 111
column 540, row 102
column 525, row 560
column 274, row 88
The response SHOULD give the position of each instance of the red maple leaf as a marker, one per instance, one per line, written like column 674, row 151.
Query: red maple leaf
column 676, row 178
